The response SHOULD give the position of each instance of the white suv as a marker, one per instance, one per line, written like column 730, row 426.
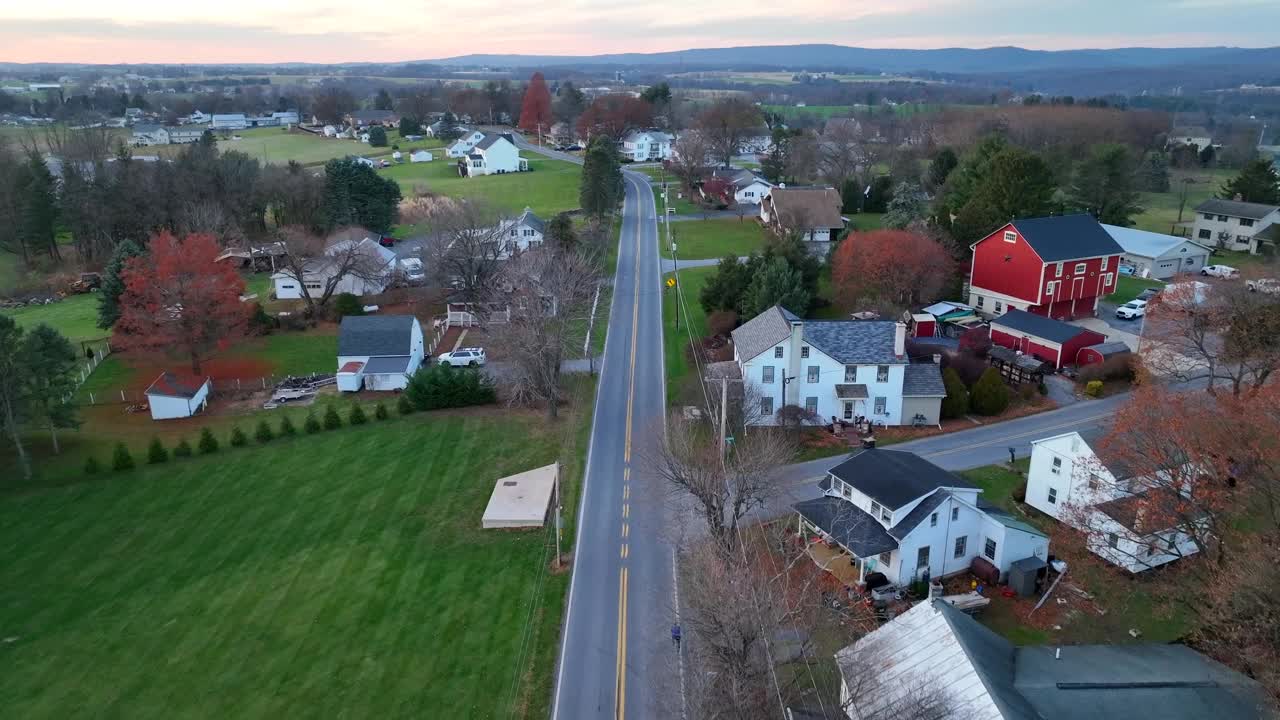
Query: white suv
column 1220, row 271
column 463, row 357
column 1132, row 310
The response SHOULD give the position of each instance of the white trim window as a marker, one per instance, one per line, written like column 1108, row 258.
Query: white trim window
column 989, row 549
column 766, row 406
column 1053, row 496
column 1010, row 236
column 812, row 375
column 766, row 374
column 882, row 373
column 1105, row 260
column 1081, row 268
column 1057, row 466
column 962, row 543
column 1057, row 270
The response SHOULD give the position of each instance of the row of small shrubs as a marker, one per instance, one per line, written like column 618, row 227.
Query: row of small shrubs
column 988, row 396
column 157, row 453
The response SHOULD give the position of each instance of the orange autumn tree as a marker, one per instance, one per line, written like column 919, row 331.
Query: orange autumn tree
column 179, row 300
column 535, row 111
column 893, row 268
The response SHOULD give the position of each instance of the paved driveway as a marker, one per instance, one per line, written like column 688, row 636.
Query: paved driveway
column 1128, row 336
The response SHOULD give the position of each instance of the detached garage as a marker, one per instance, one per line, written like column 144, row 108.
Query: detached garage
column 173, row 397
column 1053, row 341
column 1156, row 255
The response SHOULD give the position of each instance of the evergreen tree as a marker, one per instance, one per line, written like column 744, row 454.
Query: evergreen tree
column 380, row 411
column 238, row 438
column 377, row 136
column 121, row 459
column 50, row 378
column 113, row 285
column 906, row 207
column 383, row 100
column 286, row 427
column 990, row 396
column 724, row 289
column 560, row 232
column 156, row 452
column 1258, row 182
column 956, row 403
column 355, row 194
column 356, row 415
column 311, row 425
column 1153, row 172
column 879, row 196
column 208, row 444
column 941, row 165
column 263, row 433
column 409, row 126
column 774, row 164
column 332, row 421
column 1104, row 185
column 776, row 284
column 182, row 449
column 449, row 130
column 850, row 195
column 14, row 401
column 601, row 186
column 403, row 405
column 92, row 466
column 37, row 200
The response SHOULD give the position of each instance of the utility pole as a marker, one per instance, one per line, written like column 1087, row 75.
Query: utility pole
column 559, row 509
column 724, row 413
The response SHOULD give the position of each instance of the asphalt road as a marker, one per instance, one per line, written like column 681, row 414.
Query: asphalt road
column 615, row 652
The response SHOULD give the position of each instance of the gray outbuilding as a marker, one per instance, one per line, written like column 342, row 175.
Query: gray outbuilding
column 1156, row 255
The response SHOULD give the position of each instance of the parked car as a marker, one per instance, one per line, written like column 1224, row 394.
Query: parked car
column 1132, row 310
column 1126, row 270
column 1148, row 293
column 1269, row 286
column 573, row 148
column 1220, row 271
column 463, row 357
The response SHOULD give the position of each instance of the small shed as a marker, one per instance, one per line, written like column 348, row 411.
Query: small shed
column 1025, row 574
column 522, row 500
column 171, row 396
column 1101, row 352
column 420, row 156
column 396, row 156
column 922, row 325
column 1053, row 341
column 351, row 376
column 1018, row 368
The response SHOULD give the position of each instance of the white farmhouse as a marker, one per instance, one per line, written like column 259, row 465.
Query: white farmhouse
column 521, row 233
column 186, row 134
column 467, row 139
column 813, row 212
column 645, row 146
column 1076, row 480
column 172, row 397
column 229, row 121
column 495, row 154
column 895, row 513
column 375, row 272
column 1234, row 225
column 378, row 352
column 835, row 369
column 749, row 187
column 145, row 135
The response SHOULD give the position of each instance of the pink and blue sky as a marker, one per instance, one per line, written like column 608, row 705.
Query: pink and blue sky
column 138, row 31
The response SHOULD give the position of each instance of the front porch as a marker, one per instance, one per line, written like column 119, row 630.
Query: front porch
column 844, row 540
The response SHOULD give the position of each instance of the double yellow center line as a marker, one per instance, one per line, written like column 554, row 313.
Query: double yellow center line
column 620, row 695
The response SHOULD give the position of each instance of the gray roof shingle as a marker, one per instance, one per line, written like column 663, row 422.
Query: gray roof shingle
column 848, row 525
column 923, row 380
column 1066, row 237
column 387, row 364
column 916, row 516
column 894, row 478
column 376, row 335
column 528, row 218
column 854, row 342
column 1039, row 326
column 763, row 332
column 1235, row 208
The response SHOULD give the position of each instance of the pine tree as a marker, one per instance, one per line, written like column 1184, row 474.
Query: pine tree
column 356, row 415
column 37, row 200
column 311, row 425
column 601, row 186
column 113, row 285
column 156, row 452
column 956, row 403
column 332, row 421
column 208, row 443
column 990, row 396
column 263, row 433
column 380, row 412
column 1258, row 182
column 238, row 438
column 182, row 449
column 777, row 284
column 286, row 427
column 377, row 136
column 121, row 459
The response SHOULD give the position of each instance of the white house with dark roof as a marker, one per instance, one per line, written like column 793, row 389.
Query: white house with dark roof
column 895, row 513
column 813, row 212
column 749, row 186
column 495, row 154
column 937, row 652
column 369, row 276
column 645, row 146
column 467, row 139
column 228, row 121
column 836, row 369
column 1158, row 255
column 147, row 134
column 1233, row 225
column 171, row 396
column 1075, row 479
column 378, row 352
column 525, row 231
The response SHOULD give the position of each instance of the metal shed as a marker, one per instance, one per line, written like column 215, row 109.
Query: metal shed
column 1024, row 573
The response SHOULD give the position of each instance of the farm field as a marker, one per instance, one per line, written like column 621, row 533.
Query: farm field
column 786, row 78
column 700, row 239
column 550, row 186
column 291, row 581
column 274, row 145
column 830, row 111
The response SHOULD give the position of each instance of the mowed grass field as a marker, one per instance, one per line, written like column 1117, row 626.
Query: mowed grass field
column 550, row 186
column 701, row 239
column 1160, row 210
column 681, row 375
column 274, row 145
column 76, row 317
column 338, row 575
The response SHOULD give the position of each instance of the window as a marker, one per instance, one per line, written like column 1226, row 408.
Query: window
column 812, row 375
column 989, row 549
column 1107, row 280
column 1113, row 540
column 999, row 307
column 980, row 300
column 777, row 352
column 850, row 373
column 880, row 511
column 1010, row 236
column 875, row 509
column 1222, row 218
column 766, row 406
column 848, row 410
column 804, row 351
column 1205, row 234
column 766, row 374
column 845, row 491
column 513, row 232
column 880, row 405
column 1104, row 263
column 1048, row 288
column 1053, row 496
column 933, row 520
column 885, row 557
column 882, row 373
column 1057, row 270
column 811, row 404
column 922, row 558
column 962, row 543
column 288, row 287
column 1246, row 222
column 312, row 285
column 1080, row 268
column 955, row 514
column 1057, row 466
column 1207, row 216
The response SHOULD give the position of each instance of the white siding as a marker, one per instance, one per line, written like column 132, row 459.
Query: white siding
column 165, row 407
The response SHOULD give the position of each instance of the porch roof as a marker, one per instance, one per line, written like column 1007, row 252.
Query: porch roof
column 854, row 529
column 851, row 392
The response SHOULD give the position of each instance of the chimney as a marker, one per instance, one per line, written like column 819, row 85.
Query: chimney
column 899, row 339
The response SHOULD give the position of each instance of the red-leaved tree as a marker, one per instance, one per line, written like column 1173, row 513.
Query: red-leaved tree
column 891, row 268
column 535, row 111
column 179, row 300
column 614, row 115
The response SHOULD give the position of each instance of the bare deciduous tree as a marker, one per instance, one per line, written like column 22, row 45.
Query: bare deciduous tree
column 551, row 296
column 689, row 155
column 467, row 245
column 726, row 124
column 328, row 261
column 842, row 152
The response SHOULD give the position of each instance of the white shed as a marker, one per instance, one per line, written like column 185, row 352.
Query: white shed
column 522, row 500
column 172, row 397
column 420, row 156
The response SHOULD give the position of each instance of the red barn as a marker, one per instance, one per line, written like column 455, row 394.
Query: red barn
column 1101, row 353
column 1053, row 341
column 1055, row 266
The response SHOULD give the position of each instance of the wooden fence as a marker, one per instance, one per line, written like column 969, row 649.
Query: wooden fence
column 220, row 388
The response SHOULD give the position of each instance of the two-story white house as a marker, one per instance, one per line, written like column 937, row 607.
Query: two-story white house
column 896, row 513
column 835, row 369
column 1076, row 480
column 146, row 134
column 749, row 186
column 185, row 134
column 378, row 352
column 521, row 233
column 645, row 146
column 1233, row 225
column 495, row 154
column 467, row 139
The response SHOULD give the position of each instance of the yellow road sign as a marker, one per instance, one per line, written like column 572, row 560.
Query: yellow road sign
column 671, row 282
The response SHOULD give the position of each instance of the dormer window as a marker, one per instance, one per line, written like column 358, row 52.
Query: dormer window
column 1010, row 236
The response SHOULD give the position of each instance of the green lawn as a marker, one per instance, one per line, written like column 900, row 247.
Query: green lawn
column 699, row 239
column 864, row 222
column 550, row 187
column 1160, row 212
column 274, row 145
column 75, row 317
column 344, row 574
column 997, row 482
column 676, row 198
column 1128, row 287
column 675, row 341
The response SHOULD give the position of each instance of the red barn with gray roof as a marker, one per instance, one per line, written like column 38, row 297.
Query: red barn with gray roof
column 1053, row 266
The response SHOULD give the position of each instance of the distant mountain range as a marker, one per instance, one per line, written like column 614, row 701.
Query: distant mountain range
column 944, row 60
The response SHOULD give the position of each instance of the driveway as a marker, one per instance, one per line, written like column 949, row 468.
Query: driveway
column 1128, row 335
